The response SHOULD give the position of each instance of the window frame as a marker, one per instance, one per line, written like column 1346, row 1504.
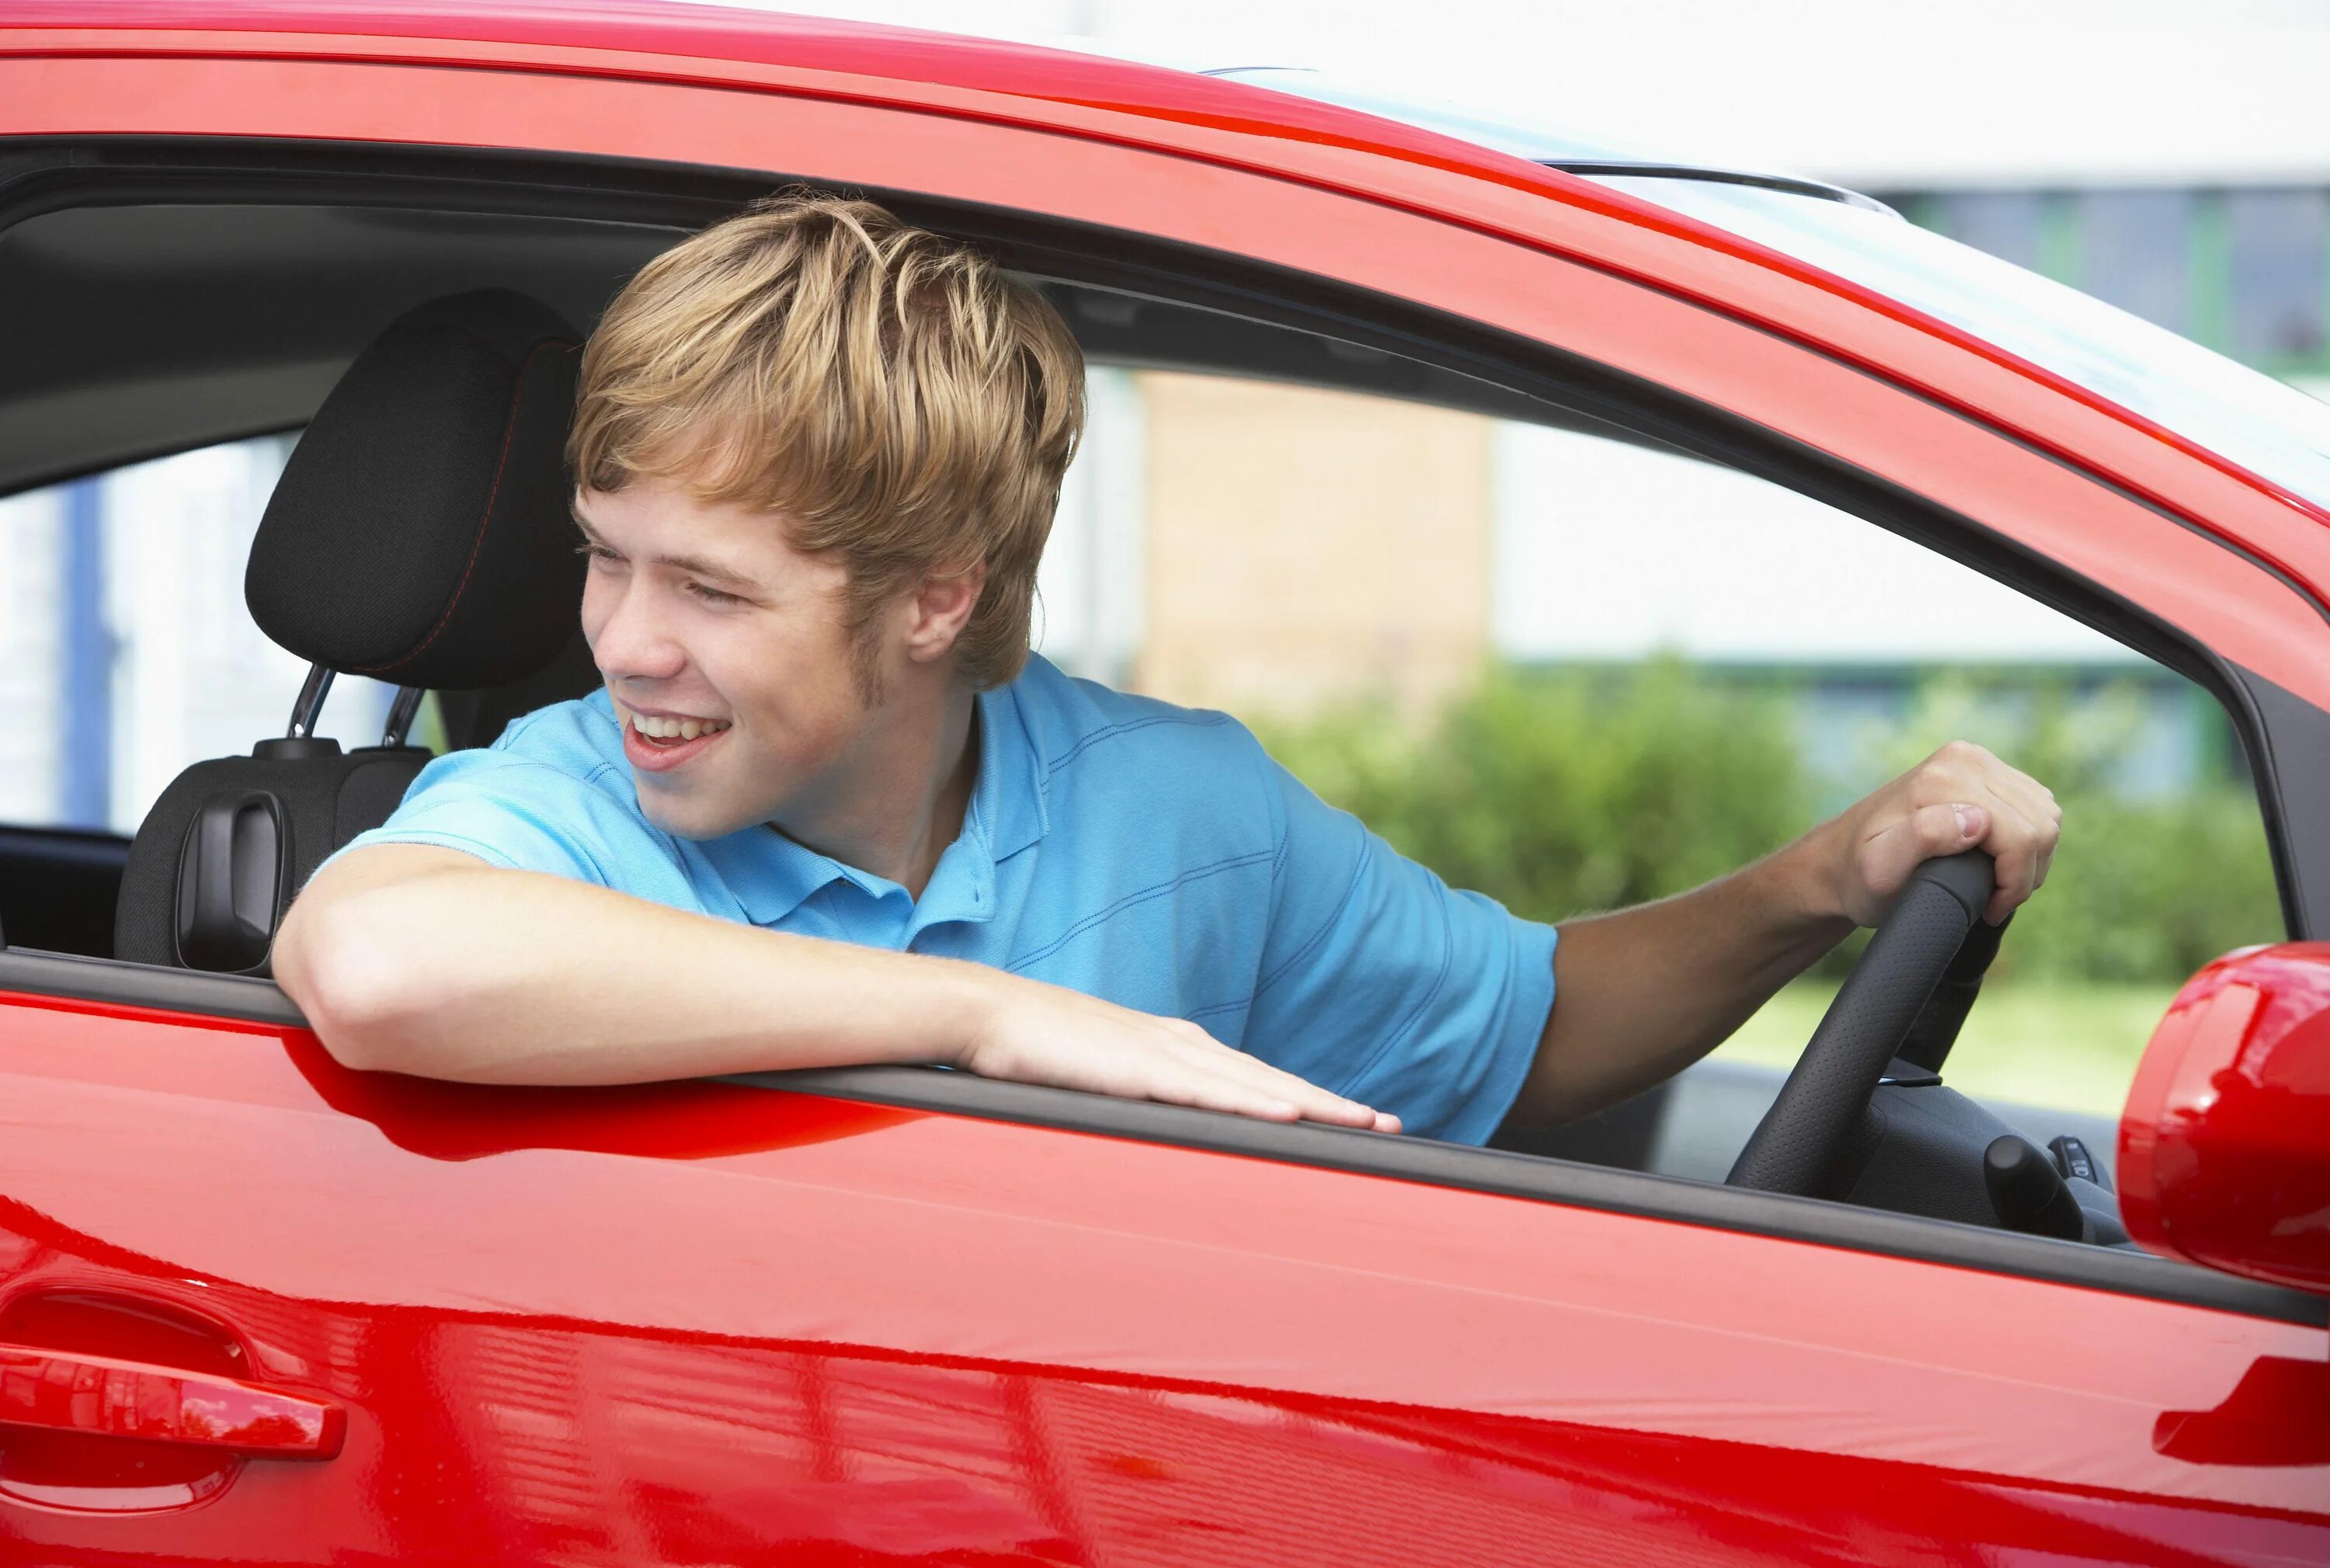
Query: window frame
column 2275, row 726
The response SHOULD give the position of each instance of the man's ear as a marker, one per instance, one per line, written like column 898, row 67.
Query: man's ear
column 941, row 608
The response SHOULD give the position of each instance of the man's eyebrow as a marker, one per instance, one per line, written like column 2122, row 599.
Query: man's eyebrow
column 712, row 570
column 692, row 565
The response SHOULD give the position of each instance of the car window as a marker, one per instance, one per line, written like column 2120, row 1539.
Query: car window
column 126, row 650
column 2139, row 246
column 1575, row 674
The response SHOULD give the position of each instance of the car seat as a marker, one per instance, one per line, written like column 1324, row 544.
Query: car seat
column 420, row 534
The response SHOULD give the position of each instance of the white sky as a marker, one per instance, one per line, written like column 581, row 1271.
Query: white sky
column 2085, row 90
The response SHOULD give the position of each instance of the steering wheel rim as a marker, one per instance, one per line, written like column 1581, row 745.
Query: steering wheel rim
column 1816, row 1110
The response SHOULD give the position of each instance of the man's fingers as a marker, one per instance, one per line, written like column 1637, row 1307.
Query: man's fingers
column 2046, row 817
column 1971, row 799
column 2017, row 848
column 1239, row 1092
column 1928, row 832
column 1076, row 1042
column 2029, row 823
column 1314, row 1103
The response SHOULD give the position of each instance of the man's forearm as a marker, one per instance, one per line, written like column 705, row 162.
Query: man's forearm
column 465, row 971
column 1642, row 993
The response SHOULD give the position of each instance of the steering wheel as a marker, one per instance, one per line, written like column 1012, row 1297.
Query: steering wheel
column 1865, row 1027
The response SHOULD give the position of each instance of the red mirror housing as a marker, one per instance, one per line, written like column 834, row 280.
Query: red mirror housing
column 2224, row 1149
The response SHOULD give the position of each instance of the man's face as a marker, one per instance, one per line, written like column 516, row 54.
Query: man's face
column 703, row 617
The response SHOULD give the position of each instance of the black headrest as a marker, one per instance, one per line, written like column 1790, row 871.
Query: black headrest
column 419, row 532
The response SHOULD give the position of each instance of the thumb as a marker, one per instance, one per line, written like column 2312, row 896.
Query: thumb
column 1923, row 834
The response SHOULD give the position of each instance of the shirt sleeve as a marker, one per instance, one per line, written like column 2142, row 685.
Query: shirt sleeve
column 511, row 812
column 1381, row 983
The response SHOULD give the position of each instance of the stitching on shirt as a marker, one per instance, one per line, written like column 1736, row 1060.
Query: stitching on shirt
column 1129, row 899
column 1232, row 1006
column 1319, row 935
column 1072, row 752
column 1399, row 1035
column 599, row 770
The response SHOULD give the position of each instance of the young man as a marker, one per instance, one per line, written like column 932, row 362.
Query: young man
column 829, row 810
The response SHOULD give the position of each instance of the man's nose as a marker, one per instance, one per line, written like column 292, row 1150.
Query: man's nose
column 632, row 641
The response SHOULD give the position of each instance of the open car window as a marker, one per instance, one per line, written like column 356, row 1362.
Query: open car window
column 1506, row 622
column 1577, row 673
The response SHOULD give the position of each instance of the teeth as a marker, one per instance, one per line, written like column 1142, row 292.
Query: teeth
column 667, row 729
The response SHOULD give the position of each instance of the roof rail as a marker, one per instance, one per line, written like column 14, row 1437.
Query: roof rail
column 1817, row 189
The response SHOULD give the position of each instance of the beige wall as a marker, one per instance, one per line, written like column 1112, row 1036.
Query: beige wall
column 1305, row 546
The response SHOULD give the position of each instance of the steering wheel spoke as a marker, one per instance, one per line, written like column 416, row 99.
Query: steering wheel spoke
column 1867, row 1025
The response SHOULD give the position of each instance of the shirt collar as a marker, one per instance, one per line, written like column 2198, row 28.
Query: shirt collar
column 772, row 876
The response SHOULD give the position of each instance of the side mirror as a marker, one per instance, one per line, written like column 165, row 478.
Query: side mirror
column 2224, row 1148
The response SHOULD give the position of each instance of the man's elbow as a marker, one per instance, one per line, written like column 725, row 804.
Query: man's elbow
column 352, row 978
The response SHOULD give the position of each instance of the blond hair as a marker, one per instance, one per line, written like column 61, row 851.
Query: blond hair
column 897, row 398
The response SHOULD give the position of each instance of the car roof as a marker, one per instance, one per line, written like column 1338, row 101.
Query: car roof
column 877, row 51
column 1630, row 226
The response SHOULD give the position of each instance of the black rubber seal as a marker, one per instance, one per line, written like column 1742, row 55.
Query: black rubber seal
column 1448, row 1165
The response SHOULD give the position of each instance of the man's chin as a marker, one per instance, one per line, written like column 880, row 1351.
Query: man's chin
column 671, row 811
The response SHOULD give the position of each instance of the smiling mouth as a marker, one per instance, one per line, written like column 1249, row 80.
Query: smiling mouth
column 667, row 730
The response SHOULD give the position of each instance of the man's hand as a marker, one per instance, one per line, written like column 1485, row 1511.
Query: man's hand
column 1033, row 1033
column 1960, row 798
column 1642, row 993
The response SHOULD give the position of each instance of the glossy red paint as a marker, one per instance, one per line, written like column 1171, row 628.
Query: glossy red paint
column 2224, row 1158
column 48, row 1390
column 704, row 1322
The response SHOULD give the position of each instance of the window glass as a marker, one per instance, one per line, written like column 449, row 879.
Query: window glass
column 2135, row 253
column 1576, row 674
column 2005, row 223
column 125, row 648
column 2277, row 274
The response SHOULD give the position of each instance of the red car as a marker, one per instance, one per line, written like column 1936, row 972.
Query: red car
column 255, row 1308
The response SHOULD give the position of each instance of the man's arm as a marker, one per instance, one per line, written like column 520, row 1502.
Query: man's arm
column 413, row 958
column 1643, row 993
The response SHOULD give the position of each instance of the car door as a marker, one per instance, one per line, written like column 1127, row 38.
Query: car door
column 257, row 1307
column 715, row 1321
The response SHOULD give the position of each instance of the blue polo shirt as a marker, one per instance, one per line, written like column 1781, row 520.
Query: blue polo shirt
column 1149, row 854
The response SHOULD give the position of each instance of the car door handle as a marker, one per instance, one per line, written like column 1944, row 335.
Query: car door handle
column 60, row 1390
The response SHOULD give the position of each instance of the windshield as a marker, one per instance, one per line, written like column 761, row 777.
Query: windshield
column 2271, row 428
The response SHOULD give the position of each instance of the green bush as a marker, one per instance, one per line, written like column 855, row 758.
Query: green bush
column 1562, row 791
column 2141, row 889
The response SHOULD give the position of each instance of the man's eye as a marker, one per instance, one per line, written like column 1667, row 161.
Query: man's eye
column 598, row 553
column 713, row 595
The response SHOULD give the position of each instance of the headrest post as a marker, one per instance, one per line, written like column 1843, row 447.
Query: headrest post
column 400, row 714
column 308, row 711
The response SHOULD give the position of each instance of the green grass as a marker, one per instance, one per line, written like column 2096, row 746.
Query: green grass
column 2065, row 1045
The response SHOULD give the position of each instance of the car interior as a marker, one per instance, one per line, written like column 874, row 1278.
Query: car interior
column 421, row 311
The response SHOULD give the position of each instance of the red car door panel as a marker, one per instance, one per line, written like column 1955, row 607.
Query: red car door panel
column 695, row 1321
